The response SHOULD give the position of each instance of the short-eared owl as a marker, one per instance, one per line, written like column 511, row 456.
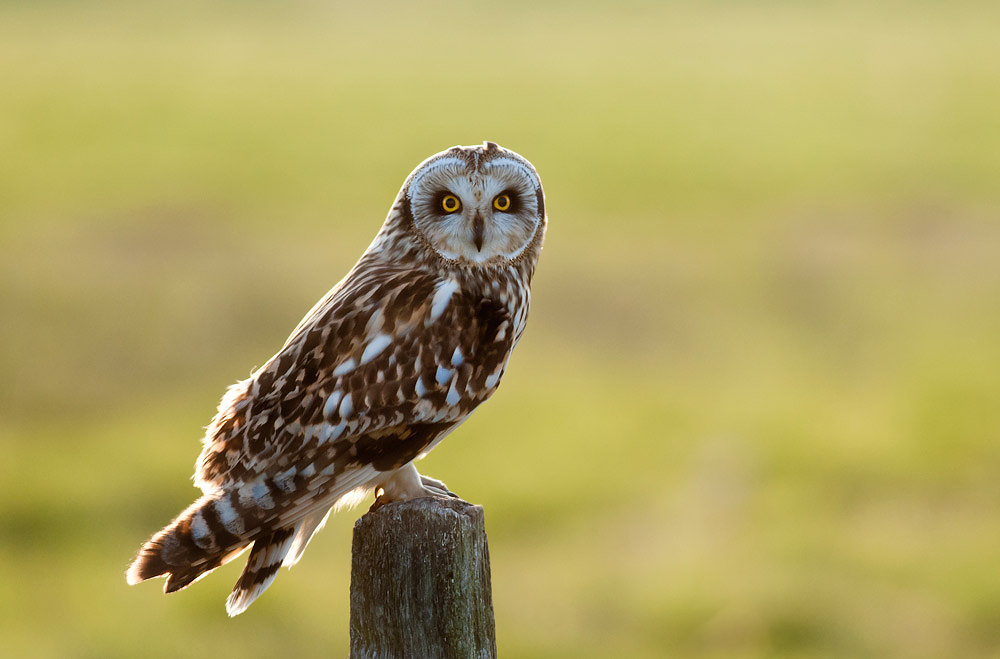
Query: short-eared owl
column 390, row 361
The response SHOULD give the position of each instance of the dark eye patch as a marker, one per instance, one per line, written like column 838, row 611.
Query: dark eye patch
column 438, row 205
column 515, row 200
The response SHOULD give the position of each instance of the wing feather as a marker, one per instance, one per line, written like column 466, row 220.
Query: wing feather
column 388, row 362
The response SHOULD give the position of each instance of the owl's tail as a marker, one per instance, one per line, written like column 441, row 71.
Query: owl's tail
column 283, row 546
column 206, row 535
column 211, row 532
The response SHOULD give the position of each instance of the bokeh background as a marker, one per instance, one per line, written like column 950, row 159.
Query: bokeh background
column 756, row 412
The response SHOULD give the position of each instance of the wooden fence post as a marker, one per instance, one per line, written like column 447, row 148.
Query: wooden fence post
column 420, row 583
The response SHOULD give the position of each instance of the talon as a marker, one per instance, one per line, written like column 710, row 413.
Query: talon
column 380, row 500
column 436, row 487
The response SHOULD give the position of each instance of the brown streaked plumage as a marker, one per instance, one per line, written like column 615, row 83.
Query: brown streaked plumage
column 395, row 357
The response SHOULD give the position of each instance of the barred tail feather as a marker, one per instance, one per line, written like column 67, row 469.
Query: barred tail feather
column 222, row 524
column 194, row 544
column 262, row 567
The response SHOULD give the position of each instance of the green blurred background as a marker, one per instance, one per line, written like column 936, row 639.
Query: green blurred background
column 756, row 412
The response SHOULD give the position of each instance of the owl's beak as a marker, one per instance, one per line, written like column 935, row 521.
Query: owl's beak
column 478, row 227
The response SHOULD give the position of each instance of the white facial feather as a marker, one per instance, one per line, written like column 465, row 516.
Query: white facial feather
column 501, row 236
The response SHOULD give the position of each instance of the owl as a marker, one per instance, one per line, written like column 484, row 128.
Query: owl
column 391, row 360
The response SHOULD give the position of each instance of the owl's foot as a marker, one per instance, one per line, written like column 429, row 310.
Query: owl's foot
column 405, row 484
column 436, row 487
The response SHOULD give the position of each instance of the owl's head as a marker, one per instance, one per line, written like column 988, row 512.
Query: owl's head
column 475, row 204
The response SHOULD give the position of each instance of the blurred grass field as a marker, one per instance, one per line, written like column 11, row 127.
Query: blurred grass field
column 756, row 412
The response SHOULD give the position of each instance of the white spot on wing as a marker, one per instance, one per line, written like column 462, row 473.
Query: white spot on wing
column 330, row 433
column 375, row 321
column 444, row 374
column 375, row 347
column 492, row 380
column 442, row 296
column 452, row 398
column 331, row 403
column 420, row 389
column 457, row 358
column 346, row 407
column 345, row 367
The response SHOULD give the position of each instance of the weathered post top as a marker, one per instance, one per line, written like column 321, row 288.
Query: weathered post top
column 420, row 582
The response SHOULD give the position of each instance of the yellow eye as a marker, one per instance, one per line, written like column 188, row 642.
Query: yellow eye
column 501, row 202
column 451, row 204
